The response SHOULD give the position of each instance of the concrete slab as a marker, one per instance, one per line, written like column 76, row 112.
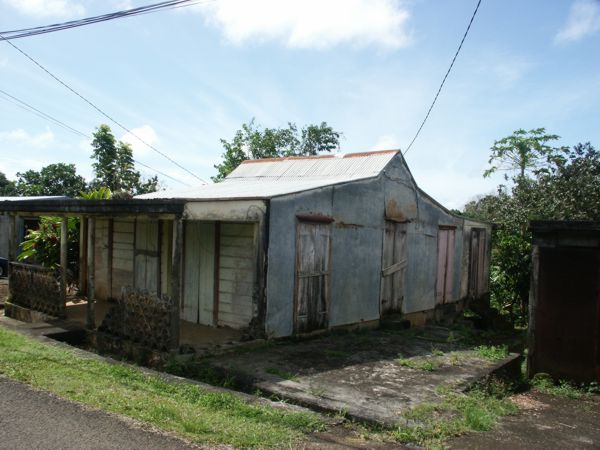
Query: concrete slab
column 373, row 376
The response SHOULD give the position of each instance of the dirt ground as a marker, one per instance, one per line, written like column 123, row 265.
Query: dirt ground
column 544, row 422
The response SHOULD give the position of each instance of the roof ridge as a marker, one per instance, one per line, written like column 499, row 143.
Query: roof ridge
column 327, row 156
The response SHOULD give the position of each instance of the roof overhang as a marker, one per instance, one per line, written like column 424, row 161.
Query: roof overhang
column 93, row 207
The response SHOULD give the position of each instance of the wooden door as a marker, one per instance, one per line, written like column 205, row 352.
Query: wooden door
column 393, row 267
column 147, row 256
column 445, row 265
column 199, row 273
column 313, row 269
column 477, row 262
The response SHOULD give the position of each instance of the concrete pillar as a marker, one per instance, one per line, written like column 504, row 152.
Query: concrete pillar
column 91, row 238
column 12, row 238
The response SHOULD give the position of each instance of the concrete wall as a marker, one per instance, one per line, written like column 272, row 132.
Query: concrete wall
column 359, row 211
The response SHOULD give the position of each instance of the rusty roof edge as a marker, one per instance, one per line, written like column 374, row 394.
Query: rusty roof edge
column 132, row 206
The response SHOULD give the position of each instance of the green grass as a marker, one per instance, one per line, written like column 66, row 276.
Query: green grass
column 492, row 352
column 431, row 424
column 544, row 383
column 199, row 415
column 426, row 364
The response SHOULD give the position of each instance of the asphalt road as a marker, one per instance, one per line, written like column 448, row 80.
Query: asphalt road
column 31, row 419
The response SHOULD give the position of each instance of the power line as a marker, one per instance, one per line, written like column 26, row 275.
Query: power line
column 444, row 80
column 100, row 110
column 27, row 107
column 147, row 9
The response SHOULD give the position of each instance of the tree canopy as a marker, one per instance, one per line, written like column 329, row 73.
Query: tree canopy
column 255, row 142
column 114, row 166
column 7, row 187
column 547, row 183
column 53, row 179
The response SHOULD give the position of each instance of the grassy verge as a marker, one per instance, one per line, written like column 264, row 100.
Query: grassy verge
column 431, row 424
column 204, row 417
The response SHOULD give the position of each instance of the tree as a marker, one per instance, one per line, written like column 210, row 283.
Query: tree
column 115, row 168
column 523, row 151
column 54, row 179
column 252, row 142
column 7, row 187
column 547, row 184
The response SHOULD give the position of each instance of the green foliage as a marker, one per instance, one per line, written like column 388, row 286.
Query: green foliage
column 7, row 187
column 54, row 179
column 42, row 245
column 252, row 142
column 115, row 168
column 524, row 150
column 100, row 193
column 550, row 183
column 492, row 352
column 430, row 424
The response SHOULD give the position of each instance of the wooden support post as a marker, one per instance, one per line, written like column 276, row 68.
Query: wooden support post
column 91, row 238
column 12, row 238
column 64, row 242
column 176, row 284
column 83, row 246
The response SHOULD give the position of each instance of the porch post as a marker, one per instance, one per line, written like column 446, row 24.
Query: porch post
column 12, row 238
column 91, row 238
column 63, row 260
column 176, row 284
column 83, row 246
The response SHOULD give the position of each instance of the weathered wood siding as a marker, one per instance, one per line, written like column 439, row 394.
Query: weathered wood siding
column 102, row 285
column 166, row 256
column 122, row 254
column 237, row 264
column 393, row 267
column 147, row 255
column 199, row 272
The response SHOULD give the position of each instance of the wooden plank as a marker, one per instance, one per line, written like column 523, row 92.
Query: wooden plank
column 191, row 273
column 124, row 226
column 90, row 310
column 236, row 241
column 228, row 262
column 207, row 272
column 176, row 280
column 237, row 229
column 239, row 287
column 396, row 267
column 235, row 275
column 238, row 252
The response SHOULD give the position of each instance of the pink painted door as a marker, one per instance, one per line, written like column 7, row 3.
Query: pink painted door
column 445, row 265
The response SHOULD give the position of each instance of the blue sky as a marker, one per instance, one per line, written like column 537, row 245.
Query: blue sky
column 185, row 78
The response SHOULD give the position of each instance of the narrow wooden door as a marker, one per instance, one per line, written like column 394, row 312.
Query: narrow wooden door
column 445, row 265
column 477, row 262
column 393, row 267
column 313, row 246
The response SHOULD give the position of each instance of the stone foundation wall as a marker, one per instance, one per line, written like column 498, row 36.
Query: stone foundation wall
column 141, row 317
column 36, row 288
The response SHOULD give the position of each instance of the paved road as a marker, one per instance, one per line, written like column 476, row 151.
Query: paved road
column 31, row 419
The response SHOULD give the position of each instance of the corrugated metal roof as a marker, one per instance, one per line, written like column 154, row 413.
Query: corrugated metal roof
column 265, row 178
column 25, row 199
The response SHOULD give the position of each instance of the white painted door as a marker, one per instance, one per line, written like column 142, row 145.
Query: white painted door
column 199, row 272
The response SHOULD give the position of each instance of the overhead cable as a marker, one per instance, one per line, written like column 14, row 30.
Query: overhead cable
column 147, row 9
column 26, row 106
column 64, row 84
column 444, row 80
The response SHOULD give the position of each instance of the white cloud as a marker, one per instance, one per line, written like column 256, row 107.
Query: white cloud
column 146, row 133
column 311, row 23
column 387, row 142
column 24, row 139
column 583, row 20
column 64, row 9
